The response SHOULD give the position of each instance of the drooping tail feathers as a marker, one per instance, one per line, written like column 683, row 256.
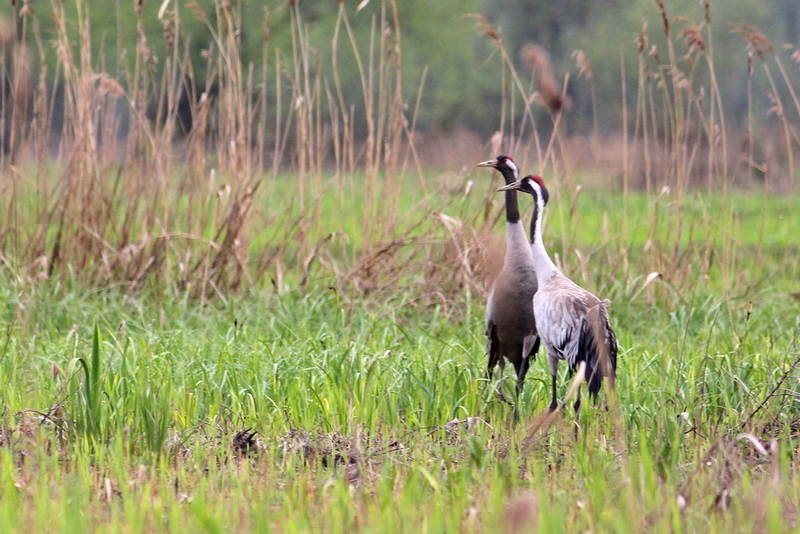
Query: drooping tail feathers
column 598, row 347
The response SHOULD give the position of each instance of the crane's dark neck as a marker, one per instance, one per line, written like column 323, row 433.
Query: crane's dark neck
column 512, row 204
column 512, row 207
column 535, row 221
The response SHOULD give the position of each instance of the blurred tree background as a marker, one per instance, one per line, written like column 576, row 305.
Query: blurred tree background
column 462, row 68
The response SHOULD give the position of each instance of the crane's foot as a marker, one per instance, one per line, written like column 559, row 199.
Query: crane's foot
column 502, row 397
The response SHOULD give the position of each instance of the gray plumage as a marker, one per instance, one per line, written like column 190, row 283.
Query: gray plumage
column 572, row 323
column 510, row 324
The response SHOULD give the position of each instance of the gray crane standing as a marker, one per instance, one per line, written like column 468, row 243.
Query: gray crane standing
column 510, row 325
column 572, row 323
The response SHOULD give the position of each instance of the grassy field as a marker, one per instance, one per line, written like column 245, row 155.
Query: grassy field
column 371, row 413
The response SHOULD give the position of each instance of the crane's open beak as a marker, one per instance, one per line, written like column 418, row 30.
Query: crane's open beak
column 490, row 163
column 512, row 187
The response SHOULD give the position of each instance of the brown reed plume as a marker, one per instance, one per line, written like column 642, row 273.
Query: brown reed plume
column 538, row 60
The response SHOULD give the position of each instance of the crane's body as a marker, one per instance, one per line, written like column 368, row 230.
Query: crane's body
column 572, row 322
column 510, row 324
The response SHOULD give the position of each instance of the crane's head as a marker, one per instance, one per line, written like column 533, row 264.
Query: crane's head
column 531, row 184
column 503, row 163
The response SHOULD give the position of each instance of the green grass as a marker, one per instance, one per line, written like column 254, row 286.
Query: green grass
column 119, row 411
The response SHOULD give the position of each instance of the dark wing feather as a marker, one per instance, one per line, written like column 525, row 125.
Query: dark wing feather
column 597, row 347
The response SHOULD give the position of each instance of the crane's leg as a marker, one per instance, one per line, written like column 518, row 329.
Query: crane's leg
column 493, row 350
column 499, row 387
column 522, row 369
column 553, row 361
column 577, row 412
column 554, row 402
column 530, row 346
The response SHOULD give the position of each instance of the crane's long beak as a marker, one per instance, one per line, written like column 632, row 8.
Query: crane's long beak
column 511, row 187
column 490, row 163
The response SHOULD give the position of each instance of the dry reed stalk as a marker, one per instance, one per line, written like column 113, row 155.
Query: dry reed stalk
column 542, row 67
column 396, row 120
column 585, row 70
column 513, row 88
column 224, row 263
column 760, row 48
